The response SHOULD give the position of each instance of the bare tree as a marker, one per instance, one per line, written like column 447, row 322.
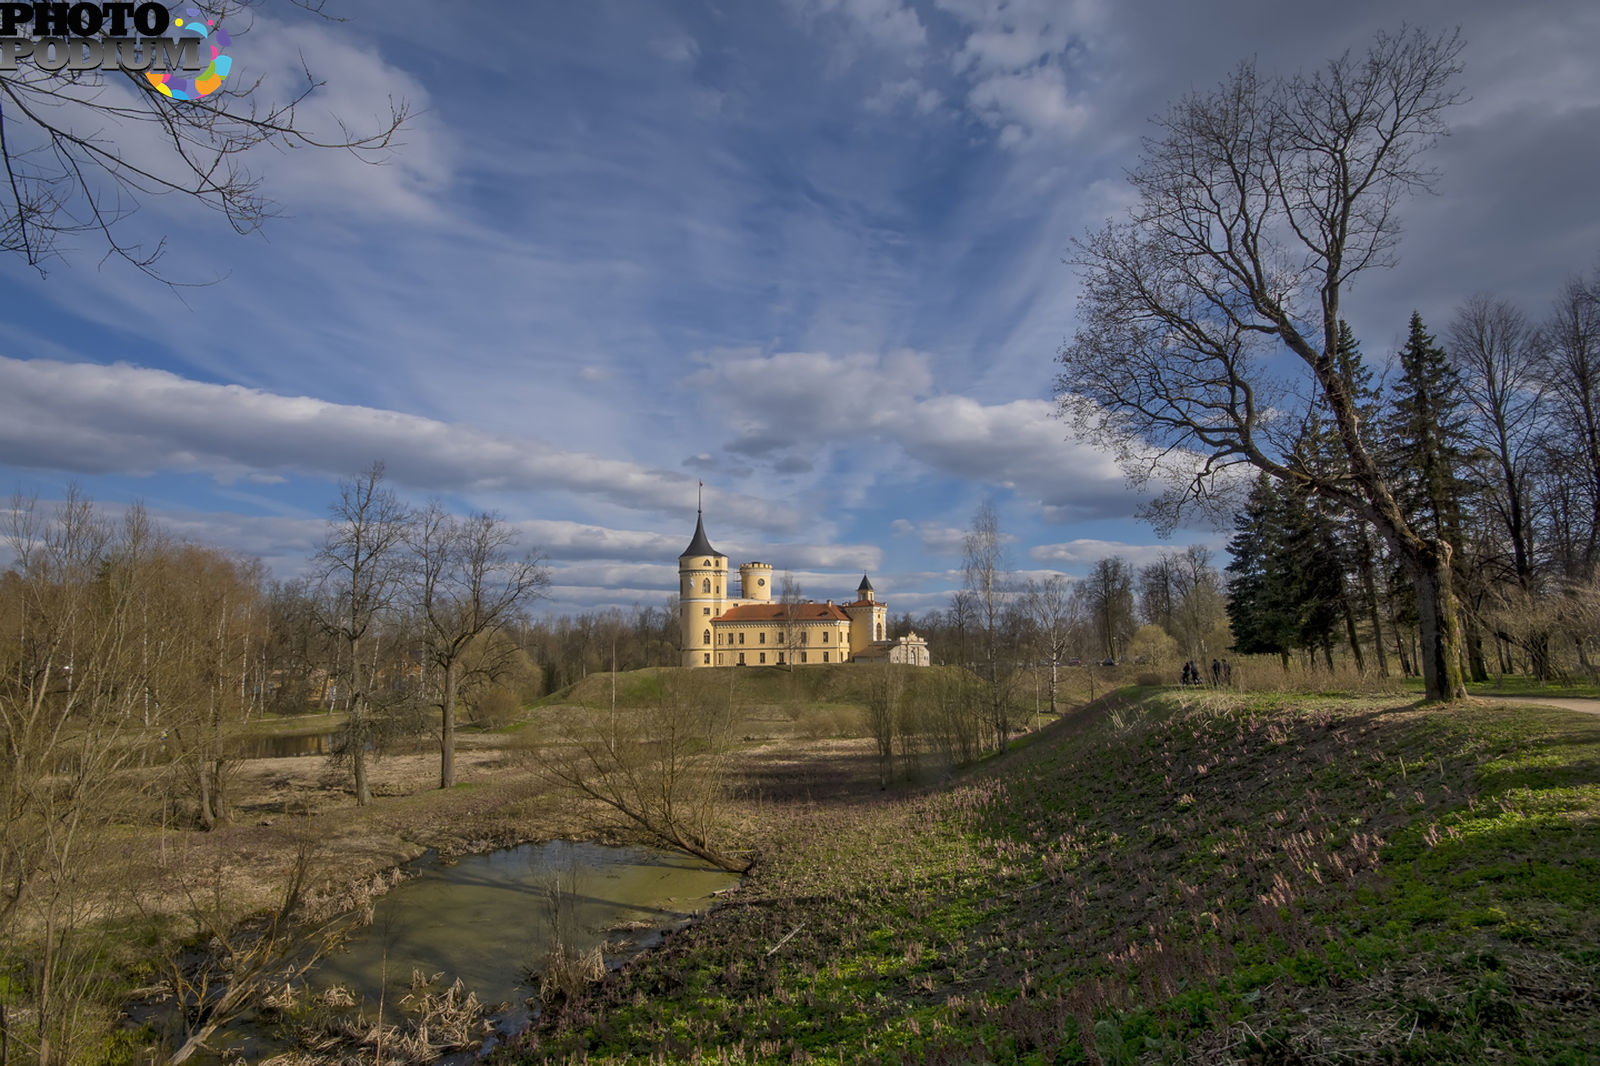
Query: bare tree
column 360, row 575
column 987, row 571
column 1212, row 313
column 82, row 148
column 1569, row 370
column 465, row 584
column 1200, row 608
column 1048, row 605
column 1107, row 595
column 1493, row 348
column 661, row 769
column 1157, row 599
column 790, row 597
column 70, row 704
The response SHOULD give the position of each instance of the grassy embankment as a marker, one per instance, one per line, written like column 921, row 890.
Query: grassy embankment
column 1203, row 878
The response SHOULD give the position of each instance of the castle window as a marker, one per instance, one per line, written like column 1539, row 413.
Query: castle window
column 824, row 637
column 707, row 638
column 706, row 562
column 880, row 630
column 741, row 658
column 705, row 610
column 780, row 636
column 763, row 638
column 705, row 584
column 763, row 658
column 824, row 656
column 741, row 638
column 708, row 658
column 805, row 638
column 802, row 656
column 780, row 658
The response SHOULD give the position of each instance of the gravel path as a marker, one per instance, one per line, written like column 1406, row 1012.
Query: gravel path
column 1587, row 706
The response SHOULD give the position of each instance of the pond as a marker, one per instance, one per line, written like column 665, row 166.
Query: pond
column 488, row 919
column 284, row 746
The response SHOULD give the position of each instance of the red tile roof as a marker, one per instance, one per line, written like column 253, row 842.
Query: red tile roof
column 776, row 612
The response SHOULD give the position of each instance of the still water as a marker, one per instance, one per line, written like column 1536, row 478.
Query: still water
column 488, row 919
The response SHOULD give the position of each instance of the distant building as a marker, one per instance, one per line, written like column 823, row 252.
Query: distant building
column 753, row 629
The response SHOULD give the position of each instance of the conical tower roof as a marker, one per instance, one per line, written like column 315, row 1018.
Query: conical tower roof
column 865, row 586
column 700, row 545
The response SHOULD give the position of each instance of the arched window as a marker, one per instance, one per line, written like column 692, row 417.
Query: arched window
column 707, row 638
column 880, row 630
column 705, row 584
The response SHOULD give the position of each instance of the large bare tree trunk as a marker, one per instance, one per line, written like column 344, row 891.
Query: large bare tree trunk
column 1438, row 622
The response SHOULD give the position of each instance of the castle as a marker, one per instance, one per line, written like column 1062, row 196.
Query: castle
column 752, row 629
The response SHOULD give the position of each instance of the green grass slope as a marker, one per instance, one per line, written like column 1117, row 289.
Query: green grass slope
column 1180, row 879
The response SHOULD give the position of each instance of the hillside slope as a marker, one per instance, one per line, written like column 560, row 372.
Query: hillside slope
column 1181, row 879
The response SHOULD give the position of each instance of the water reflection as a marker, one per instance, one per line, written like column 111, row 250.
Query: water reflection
column 488, row 919
column 283, row 747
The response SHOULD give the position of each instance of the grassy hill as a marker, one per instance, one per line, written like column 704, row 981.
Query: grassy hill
column 1171, row 878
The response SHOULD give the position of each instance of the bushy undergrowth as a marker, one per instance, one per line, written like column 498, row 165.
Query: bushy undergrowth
column 1205, row 878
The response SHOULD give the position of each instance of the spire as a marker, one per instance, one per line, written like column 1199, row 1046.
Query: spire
column 699, row 545
column 865, row 586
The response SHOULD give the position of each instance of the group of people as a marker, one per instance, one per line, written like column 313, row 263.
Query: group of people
column 1221, row 673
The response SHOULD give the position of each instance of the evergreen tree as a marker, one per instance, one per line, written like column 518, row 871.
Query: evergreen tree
column 1260, row 603
column 1422, row 436
column 1360, row 545
column 1288, row 584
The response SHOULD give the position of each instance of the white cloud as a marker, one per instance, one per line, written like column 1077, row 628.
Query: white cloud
column 935, row 536
column 87, row 418
column 812, row 401
column 887, row 22
column 908, row 92
column 1035, row 101
column 356, row 95
column 1085, row 552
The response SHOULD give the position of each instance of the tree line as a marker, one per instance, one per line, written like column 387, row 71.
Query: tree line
column 1490, row 440
column 1213, row 343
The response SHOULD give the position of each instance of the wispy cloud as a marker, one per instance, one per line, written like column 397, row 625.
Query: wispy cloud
column 81, row 417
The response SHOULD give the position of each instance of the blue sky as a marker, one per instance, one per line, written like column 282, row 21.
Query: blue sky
column 808, row 251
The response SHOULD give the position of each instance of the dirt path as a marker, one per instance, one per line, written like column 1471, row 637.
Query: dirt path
column 1586, row 706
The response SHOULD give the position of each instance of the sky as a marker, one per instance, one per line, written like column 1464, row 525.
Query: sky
column 809, row 252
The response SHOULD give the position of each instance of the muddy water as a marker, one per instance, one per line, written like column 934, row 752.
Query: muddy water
column 489, row 918
column 286, row 746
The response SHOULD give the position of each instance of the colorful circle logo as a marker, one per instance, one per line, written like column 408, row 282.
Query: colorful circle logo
column 192, row 22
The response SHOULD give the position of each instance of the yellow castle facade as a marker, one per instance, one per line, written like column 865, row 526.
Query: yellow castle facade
column 753, row 629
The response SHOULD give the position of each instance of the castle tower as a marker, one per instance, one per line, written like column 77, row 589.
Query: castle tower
column 755, row 582
column 869, row 619
column 702, row 595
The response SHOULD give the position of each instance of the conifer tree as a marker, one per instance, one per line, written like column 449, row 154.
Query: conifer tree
column 1356, row 534
column 1422, row 437
column 1261, row 609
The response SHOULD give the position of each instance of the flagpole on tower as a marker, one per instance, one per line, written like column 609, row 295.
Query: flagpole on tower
column 699, row 499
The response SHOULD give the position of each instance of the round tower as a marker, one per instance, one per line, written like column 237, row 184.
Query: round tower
column 702, row 595
column 755, row 582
